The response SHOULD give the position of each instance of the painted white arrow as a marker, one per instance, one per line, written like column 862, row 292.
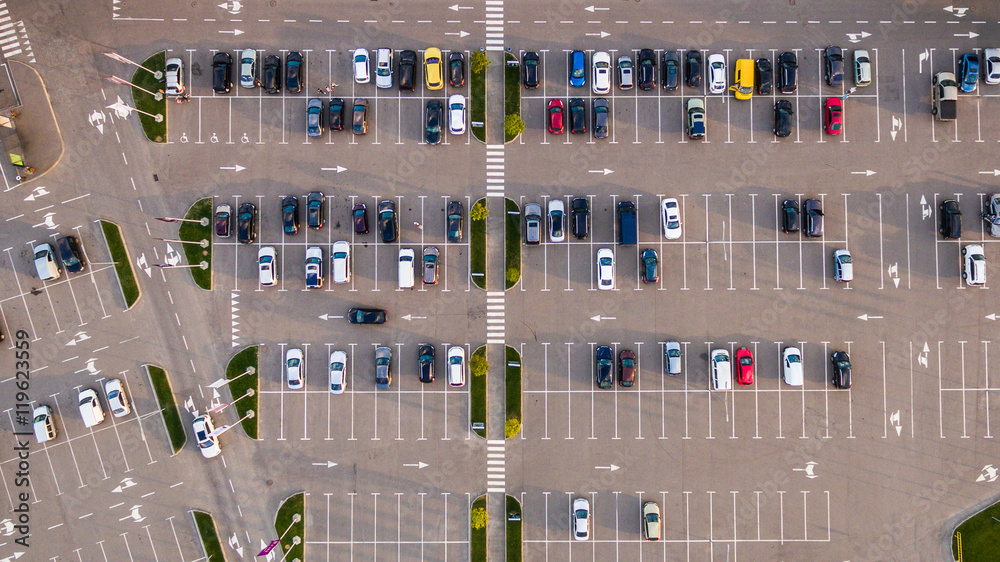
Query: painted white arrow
column 328, row 464
column 612, row 468
column 234, row 543
column 328, row 316
column 864, row 173
column 338, row 169
column 456, row 7
column 234, row 32
column 459, row 33
column 592, row 8
column 867, row 317
column 970, row 35
column 236, row 168
column 36, row 193
column 126, row 483
column 602, row 34
column 959, row 12
column 14, row 556
column 411, row 317
column 855, row 37
column 993, row 172
column 605, row 171
column 991, row 317
column 419, row 465
column 598, row 318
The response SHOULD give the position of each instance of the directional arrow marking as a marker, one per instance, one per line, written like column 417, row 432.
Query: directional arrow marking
column 592, row 8
column 605, row 171
column 419, row 465
column 864, row 173
column 328, row 316
column 236, row 168
column 327, row 464
column 456, row 7
column 867, row 317
column 602, row 34
column 991, row 317
column 338, row 169
column 598, row 318
column 993, row 172
column 970, row 35
column 460, row 33
column 612, row 468
column 234, row 33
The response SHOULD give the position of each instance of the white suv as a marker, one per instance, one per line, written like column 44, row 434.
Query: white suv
column 341, row 262
column 266, row 262
column 383, row 68
column 601, row 72
column 361, row 72
column 722, row 371
column 456, row 366
column 975, row 265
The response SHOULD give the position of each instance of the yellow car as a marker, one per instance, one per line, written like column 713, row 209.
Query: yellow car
column 744, row 81
column 433, row 69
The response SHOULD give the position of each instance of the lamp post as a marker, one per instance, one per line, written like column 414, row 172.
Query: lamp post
column 220, row 430
column 221, row 407
column 120, row 107
column 202, row 221
column 223, row 382
column 123, row 82
column 158, row 74
column 202, row 265
column 296, row 540
column 203, row 242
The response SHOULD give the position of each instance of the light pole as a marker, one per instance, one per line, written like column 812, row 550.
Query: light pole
column 203, row 242
column 158, row 74
column 296, row 540
column 220, row 430
column 202, row 221
column 223, row 382
column 202, row 265
column 221, row 407
column 119, row 107
column 123, row 82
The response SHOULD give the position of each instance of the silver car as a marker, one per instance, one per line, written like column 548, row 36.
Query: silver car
column 532, row 223
column 174, row 75
column 672, row 357
column 431, row 271
column 383, row 368
column 248, row 68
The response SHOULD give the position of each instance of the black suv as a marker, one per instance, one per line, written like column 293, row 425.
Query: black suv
column 671, row 70
column 783, row 118
column 290, row 214
column 271, row 77
column 789, row 216
column 841, row 369
column 407, row 69
column 580, row 209
column 530, row 63
column 762, row 67
column 787, row 67
column 246, row 223
column 314, row 210
column 812, row 218
column 425, row 362
column 692, row 68
column 646, row 63
column 69, row 253
column 293, row 72
column 833, row 64
column 951, row 219
column 222, row 72
column 388, row 226
column 603, row 367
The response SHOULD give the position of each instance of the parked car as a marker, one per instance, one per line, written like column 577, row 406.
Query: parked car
column 315, row 211
column 649, row 266
column 841, row 369
column 293, row 368
column 248, row 68
column 432, row 122
column 789, row 216
column 557, row 221
column 407, row 69
column 90, row 408
column 456, row 114
column 383, row 68
column 271, row 77
column 743, row 79
column 577, row 116
column 222, row 72
column 433, row 69
column 430, row 265
column 716, row 74
column 314, row 118
column 46, row 265
column 787, row 70
column 626, row 73
column 529, row 65
column 951, row 219
column 360, row 118
column 992, row 215
column 764, row 79
column 208, row 444
column 556, row 126
column 843, row 267
column 388, row 226
column 863, row 68
column 405, row 268
column 366, row 316
column 791, row 359
column 174, row 76
column 293, row 72
column 671, row 218
column 833, row 65
column 969, row 71
column 722, row 372
column 290, row 215
column 651, row 521
column 695, row 119
column 974, row 271
column 43, row 425
column 603, row 367
column 628, row 372
column 812, row 218
column 581, row 519
column 72, row 258
column 991, row 66
column 834, row 116
column 117, row 400
column 646, row 63
column 744, row 366
column 338, row 372
column 456, row 366
column 246, row 223
column 692, row 68
column 782, row 118
column 314, row 267
column 605, row 269
column 577, row 66
column 223, row 220
column 601, row 68
column 532, row 223
column 456, row 69
column 362, row 74
column 672, row 357
column 944, row 97
column 340, row 256
column 336, row 114
column 267, row 266
column 425, row 363
column 671, row 70
column 580, row 210
column 456, row 220
column 601, row 118
column 383, row 368
column 359, row 216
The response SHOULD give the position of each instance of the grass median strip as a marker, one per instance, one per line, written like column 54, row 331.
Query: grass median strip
column 123, row 264
column 195, row 232
column 477, row 242
column 477, row 530
column 512, row 250
column 155, row 131
column 239, row 368
column 978, row 536
column 512, row 384
column 513, row 124
column 209, row 536
column 168, row 407
column 479, row 367
column 479, row 64
column 290, row 525
column 514, row 552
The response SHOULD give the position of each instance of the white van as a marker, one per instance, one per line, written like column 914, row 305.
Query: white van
column 45, row 429
column 722, row 371
column 406, row 268
column 90, row 408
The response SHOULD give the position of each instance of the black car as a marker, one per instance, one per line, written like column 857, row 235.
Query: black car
column 603, row 366
column 456, row 70
column 407, row 69
column 762, row 68
column 601, row 115
column 580, row 209
column 577, row 116
column 425, row 362
column 359, row 215
column 432, row 121
column 270, row 78
column 812, row 218
column 841, row 369
column 69, row 252
column 529, row 62
column 293, row 72
column 360, row 118
column 671, row 70
column 787, row 68
column 246, row 223
column 314, row 210
column 951, row 219
column 833, row 65
column 646, row 70
column 336, row 114
column 789, row 216
column 692, row 68
column 782, row 118
column 222, row 72
column 366, row 316
column 290, row 214
column 388, row 226
column 649, row 266
column 456, row 218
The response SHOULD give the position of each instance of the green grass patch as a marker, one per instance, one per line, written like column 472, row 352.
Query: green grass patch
column 123, row 265
column 195, row 232
column 511, row 96
column 513, row 529
column 477, row 537
column 168, row 407
column 980, row 536
column 512, row 247
column 478, row 391
column 477, row 242
column 512, row 384
column 156, row 132
column 236, row 367
column 209, row 536
column 477, row 105
column 283, row 522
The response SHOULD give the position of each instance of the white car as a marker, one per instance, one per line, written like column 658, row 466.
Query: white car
column 174, row 76
column 456, row 365
column 843, row 267
column 456, row 114
column 672, row 357
column 314, row 267
column 341, row 258
column 267, row 264
column 975, row 265
column 991, row 66
column 605, row 269
column 383, row 68
column 722, row 371
column 716, row 74
column 792, row 366
column 293, row 368
column 248, row 68
column 117, row 400
column 557, row 221
column 601, row 72
column 208, row 444
column 581, row 519
column 338, row 372
column 90, row 408
column 361, row 72
column 671, row 218
column 45, row 262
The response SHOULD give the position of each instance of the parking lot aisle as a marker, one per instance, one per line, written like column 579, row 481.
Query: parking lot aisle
column 708, row 246
column 69, row 439
column 90, row 273
column 20, row 291
column 93, row 438
column 48, row 294
column 69, row 283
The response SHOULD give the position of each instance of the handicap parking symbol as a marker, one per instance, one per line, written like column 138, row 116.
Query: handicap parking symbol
column 184, row 137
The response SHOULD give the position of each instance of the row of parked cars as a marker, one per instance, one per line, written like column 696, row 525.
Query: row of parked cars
column 321, row 115
column 338, row 377
column 341, row 265
column 650, row 515
column 47, row 264
column 91, row 410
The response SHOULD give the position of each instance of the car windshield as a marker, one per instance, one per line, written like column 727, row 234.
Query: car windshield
column 604, row 363
column 246, row 216
column 293, row 362
column 977, row 257
column 336, row 366
column 386, row 215
column 843, row 365
column 427, row 357
column 113, row 395
column 359, row 213
column 557, row 220
column 359, row 58
column 335, row 386
column 793, row 358
column 674, row 353
column 406, row 259
column 531, row 62
column 40, row 254
column 673, row 223
column 652, row 518
column 265, row 260
column 580, row 514
column 746, row 361
column 845, row 259
column 430, row 259
column 605, row 262
column 339, row 255
column 628, row 363
column 455, row 361
column 382, row 361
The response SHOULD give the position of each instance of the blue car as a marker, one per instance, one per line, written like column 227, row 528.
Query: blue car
column 577, row 74
column 969, row 65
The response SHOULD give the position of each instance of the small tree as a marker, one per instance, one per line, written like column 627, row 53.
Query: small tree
column 479, row 518
column 513, row 275
column 480, row 62
column 512, row 427
column 513, row 125
column 478, row 212
column 478, row 365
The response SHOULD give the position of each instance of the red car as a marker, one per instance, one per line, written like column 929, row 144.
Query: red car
column 834, row 116
column 744, row 369
column 556, row 117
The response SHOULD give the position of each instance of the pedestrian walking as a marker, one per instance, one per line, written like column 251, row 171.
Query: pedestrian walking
column 333, row 84
column 319, row 91
column 328, row 89
column 418, row 225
